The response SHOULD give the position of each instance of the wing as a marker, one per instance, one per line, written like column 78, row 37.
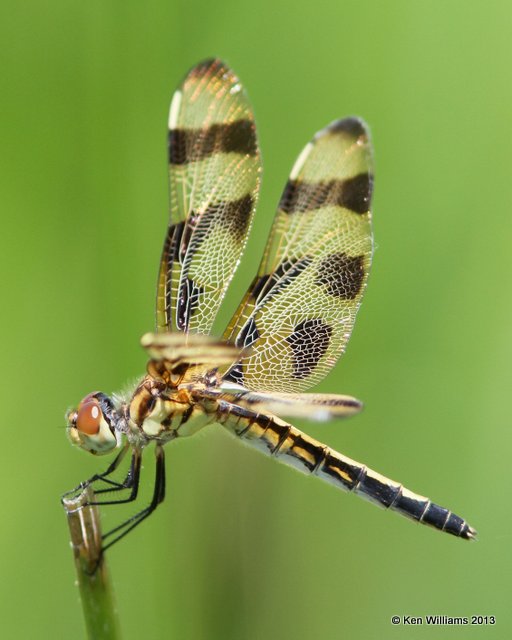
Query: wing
column 310, row 406
column 300, row 309
column 214, row 175
column 177, row 349
column 177, row 358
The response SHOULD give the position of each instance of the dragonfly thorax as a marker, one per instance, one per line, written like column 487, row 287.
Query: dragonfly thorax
column 157, row 412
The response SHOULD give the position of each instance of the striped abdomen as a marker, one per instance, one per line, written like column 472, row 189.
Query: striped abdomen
column 283, row 441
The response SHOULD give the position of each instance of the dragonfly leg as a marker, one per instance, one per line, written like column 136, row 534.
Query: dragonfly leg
column 130, row 482
column 101, row 476
column 158, row 497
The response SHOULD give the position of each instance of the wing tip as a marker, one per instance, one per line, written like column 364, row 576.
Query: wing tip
column 350, row 405
column 147, row 339
column 207, row 68
column 352, row 126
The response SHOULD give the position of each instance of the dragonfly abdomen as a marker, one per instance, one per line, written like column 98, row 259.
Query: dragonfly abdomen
column 390, row 494
column 281, row 440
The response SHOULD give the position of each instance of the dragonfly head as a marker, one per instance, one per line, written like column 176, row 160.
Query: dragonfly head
column 92, row 425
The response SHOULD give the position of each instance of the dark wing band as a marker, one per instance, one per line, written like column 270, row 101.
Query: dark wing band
column 214, row 175
column 299, row 312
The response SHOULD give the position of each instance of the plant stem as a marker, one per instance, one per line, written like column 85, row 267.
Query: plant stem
column 100, row 613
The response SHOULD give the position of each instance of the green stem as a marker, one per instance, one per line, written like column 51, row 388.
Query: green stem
column 100, row 613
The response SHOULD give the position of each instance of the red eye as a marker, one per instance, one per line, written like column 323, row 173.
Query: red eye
column 89, row 417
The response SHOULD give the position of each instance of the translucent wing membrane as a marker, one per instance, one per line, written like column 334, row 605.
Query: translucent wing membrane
column 300, row 309
column 214, row 174
column 310, row 406
column 177, row 349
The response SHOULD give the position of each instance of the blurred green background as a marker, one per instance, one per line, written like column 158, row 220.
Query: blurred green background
column 245, row 548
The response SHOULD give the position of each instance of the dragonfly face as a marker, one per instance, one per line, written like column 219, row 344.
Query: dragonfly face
column 92, row 425
column 291, row 326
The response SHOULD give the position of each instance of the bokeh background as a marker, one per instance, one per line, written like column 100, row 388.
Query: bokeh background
column 245, row 548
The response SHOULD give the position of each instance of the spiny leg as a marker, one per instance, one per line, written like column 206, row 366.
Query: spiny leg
column 131, row 481
column 158, row 497
column 102, row 476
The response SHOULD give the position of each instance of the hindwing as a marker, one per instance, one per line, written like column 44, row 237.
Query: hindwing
column 300, row 309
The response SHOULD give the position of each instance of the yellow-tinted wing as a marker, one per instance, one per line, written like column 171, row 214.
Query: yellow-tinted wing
column 179, row 358
column 177, row 349
column 214, row 174
column 300, row 309
column 309, row 406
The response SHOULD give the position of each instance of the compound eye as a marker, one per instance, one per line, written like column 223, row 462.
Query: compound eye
column 89, row 416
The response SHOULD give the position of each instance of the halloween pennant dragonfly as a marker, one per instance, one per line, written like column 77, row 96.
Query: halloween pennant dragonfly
column 291, row 326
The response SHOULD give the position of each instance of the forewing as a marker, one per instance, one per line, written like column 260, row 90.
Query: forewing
column 300, row 309
column 214, row 175
column 178, row 358
column 177, row 349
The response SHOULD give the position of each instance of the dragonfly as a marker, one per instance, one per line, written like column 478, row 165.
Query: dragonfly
column 290, row 328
